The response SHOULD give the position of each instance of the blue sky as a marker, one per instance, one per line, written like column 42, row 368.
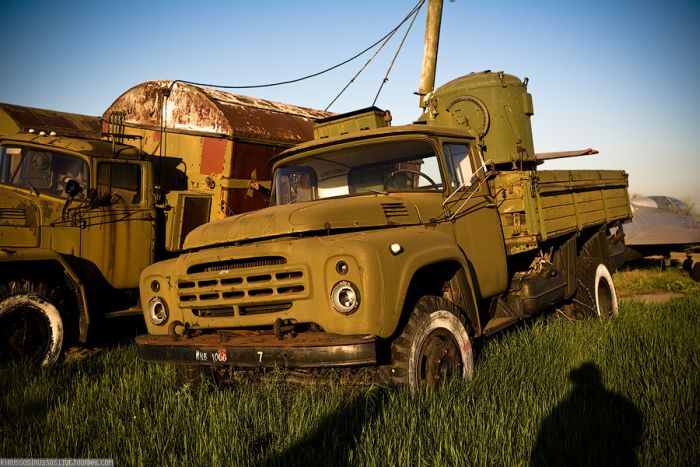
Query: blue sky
column 618, row 76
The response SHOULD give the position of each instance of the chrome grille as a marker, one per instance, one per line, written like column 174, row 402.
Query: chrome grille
column 263, row 309
column 237, row 264
column 242, row 287
column 213, row 312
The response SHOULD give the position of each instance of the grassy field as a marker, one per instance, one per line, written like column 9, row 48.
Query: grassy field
column 646, row 277
column 555, row 391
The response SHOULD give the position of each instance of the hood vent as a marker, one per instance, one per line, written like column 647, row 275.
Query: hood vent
column 13, row 216
column 394, row 210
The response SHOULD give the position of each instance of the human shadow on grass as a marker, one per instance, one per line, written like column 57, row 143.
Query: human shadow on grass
column 591, row 427
column 335, row 436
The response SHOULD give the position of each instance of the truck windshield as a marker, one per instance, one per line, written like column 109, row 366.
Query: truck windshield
column 42, row 171
column 375, row 168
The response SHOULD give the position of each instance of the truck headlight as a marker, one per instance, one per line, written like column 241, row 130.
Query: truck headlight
column 157, row 311
column 345, row 298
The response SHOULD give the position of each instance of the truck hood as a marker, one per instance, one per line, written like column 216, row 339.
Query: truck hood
column 20, row 218
column 356, row 212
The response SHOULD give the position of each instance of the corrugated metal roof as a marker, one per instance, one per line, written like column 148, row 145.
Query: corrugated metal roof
column 22, row 119
column 192, row 108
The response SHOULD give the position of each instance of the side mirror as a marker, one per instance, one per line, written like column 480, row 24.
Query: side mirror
column 73, row 188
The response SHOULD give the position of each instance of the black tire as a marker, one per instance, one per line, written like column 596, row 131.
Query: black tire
column 192, row 376
column 695, row 273
column 433, row 346
column 595, row 290
column 31, row 325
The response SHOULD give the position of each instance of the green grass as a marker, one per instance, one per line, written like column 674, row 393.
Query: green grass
column 646, row 403
column 645, row 277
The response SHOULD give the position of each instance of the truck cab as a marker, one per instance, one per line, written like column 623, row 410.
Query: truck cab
column 79, row 220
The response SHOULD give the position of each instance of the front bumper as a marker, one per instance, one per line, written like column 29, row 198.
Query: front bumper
column 260, row 350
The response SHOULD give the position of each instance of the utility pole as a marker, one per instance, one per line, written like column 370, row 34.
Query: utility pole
column 430, row 49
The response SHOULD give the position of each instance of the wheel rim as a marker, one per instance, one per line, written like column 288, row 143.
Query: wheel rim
column 25, row 333
column 439, row 359
column 605, row 300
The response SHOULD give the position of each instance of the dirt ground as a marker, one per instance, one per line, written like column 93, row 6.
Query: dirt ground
column 660, row 297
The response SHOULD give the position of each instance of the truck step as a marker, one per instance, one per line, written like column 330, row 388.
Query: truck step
column 496, row 324
column 133, row 311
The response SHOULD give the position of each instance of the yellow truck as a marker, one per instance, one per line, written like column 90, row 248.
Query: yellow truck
column 82, row 212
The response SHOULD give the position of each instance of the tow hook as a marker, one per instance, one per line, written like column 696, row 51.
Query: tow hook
column 281, row 328
column 172, row 330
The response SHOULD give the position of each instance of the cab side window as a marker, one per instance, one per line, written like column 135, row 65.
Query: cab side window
column 119, row 183
column 458, row 164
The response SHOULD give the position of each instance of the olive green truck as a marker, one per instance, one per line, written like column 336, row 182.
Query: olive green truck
column 394, row 246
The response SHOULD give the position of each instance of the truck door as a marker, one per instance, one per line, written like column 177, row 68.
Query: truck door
column 118, row 234
column 475, row 220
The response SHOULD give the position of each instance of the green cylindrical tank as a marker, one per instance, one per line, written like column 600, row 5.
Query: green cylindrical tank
column 494, row 106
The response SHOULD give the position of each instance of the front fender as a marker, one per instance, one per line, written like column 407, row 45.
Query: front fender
column 420, row 247
column 16, row 256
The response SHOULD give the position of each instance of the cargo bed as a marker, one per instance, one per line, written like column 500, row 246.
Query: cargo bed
column 540, row 205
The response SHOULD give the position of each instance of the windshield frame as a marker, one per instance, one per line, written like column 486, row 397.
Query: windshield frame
column 321, row 153
column 56, row 179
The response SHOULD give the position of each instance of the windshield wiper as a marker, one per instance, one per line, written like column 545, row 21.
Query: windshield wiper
column 377, row 192
column 34, row 190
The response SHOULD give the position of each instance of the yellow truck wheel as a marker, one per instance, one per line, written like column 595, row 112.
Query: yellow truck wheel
column 30, row 324
column 433, row 347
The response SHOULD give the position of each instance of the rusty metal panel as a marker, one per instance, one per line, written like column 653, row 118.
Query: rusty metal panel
column 250, row 162
column 213, row 155
column 142, row 104
column 198, row 110
column 19, row 119
column 261, row 119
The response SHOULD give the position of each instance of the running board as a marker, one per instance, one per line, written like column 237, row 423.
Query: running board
column 133, row 311
column 497, row 324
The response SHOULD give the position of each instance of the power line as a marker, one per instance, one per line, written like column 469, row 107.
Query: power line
column 386, row 76
column 413, row 11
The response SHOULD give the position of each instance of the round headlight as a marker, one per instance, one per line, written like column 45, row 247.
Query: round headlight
column 157, row 311
column 344, row 297
column 155, row 285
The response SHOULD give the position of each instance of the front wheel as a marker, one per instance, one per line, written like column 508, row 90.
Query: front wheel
column 30, row 324
column 433, row 347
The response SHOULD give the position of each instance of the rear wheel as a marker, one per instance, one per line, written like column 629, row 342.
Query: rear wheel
column 595, row 292
column 30, row 323
column 695, row 273
column 433, row 347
